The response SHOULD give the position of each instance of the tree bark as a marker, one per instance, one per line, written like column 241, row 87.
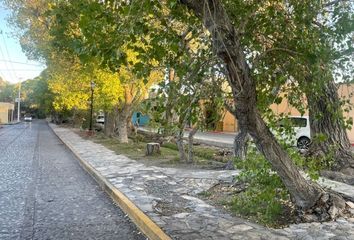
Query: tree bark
column 326, row 117
column 190, row 144
column 109, row 123
column 241, row 145
column 180, row 146
column 241, row 139
column 226, row 44
column 240, row 149
column 169, row 104
column 124, row 115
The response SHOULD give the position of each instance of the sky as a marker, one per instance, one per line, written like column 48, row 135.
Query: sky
column 14, row 65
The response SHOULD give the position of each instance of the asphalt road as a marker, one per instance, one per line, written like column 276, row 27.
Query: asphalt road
column 45, row 194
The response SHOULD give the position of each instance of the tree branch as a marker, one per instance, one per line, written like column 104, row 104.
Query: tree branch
column 276, row 49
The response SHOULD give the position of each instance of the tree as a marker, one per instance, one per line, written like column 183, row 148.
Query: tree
column 335, row 28
column 7, row 92
column 76, row 30
column 302, row 52
column 184, row 99
column 227, row 45
column 66, row 33
column 181, row 99
column 70, row 82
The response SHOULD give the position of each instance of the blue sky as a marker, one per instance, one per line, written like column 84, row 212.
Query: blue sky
column 14, row 65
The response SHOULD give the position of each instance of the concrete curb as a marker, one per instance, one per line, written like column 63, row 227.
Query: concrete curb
column 213, row 143
column 141, row 220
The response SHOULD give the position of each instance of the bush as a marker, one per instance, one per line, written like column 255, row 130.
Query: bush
column 265, row 195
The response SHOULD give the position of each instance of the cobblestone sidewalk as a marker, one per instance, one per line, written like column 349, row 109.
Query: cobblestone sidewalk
column 169, row 197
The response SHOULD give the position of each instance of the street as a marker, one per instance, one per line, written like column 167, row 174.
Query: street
column 45, row 194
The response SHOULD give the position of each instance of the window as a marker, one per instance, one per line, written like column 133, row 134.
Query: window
column 298, row 122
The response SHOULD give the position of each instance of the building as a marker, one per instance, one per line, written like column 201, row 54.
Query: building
column 345, row 92
column 6, row 112
column 139, row 119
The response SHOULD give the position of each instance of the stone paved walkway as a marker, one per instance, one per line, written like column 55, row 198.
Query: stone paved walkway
column 169, row 197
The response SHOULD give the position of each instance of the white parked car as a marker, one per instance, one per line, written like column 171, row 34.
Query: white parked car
column 28, row 118
column 100, row 119
column 302, row 132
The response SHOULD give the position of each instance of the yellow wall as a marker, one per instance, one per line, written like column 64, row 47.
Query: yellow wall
column 229, row 123
column 347, row 92
column 4, row 111
column 285, row 107
column 344, row 91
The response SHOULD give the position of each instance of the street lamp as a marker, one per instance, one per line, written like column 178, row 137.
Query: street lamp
column 91, row 105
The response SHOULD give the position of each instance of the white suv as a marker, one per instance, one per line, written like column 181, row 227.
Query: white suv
column 100, row 119
column 302, row 130
column 301, row 127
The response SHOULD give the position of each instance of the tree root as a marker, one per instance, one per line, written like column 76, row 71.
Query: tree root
column 328, row 207
column 339, row 176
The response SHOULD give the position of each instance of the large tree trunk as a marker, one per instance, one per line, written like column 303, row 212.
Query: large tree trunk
column 241, row 145
column 240, row 148
column 109, row 123
column 190, row 144
column 180, row 145
column 169, row 105
column 124, row 115
column 226, row 43
column 326, row 118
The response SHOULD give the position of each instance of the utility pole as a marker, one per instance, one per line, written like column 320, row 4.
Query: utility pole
column 19, row 103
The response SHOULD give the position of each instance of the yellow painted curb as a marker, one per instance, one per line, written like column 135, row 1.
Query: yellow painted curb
column 141, row 220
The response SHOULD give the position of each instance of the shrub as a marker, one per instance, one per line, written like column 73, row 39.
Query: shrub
column 265, row 195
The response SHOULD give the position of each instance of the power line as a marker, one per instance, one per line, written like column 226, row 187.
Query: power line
column 10, row 69
column 7, row 68
column 2, row 54
column 8, row 56
column 30, row 64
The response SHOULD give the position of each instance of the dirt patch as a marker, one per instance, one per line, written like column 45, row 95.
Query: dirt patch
column 223, row 194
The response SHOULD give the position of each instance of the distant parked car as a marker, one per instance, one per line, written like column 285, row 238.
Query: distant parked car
column 100, row 119
column 301, row 127
column 28, row 118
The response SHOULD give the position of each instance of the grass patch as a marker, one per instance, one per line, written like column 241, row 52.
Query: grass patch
column 135, row 149
column 202, row 153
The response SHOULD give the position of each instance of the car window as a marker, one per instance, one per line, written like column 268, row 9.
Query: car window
column 298, row 122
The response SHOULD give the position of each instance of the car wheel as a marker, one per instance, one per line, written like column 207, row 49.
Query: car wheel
column 303, row 143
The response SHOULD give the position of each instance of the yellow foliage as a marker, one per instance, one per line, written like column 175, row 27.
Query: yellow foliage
column 108, row 89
